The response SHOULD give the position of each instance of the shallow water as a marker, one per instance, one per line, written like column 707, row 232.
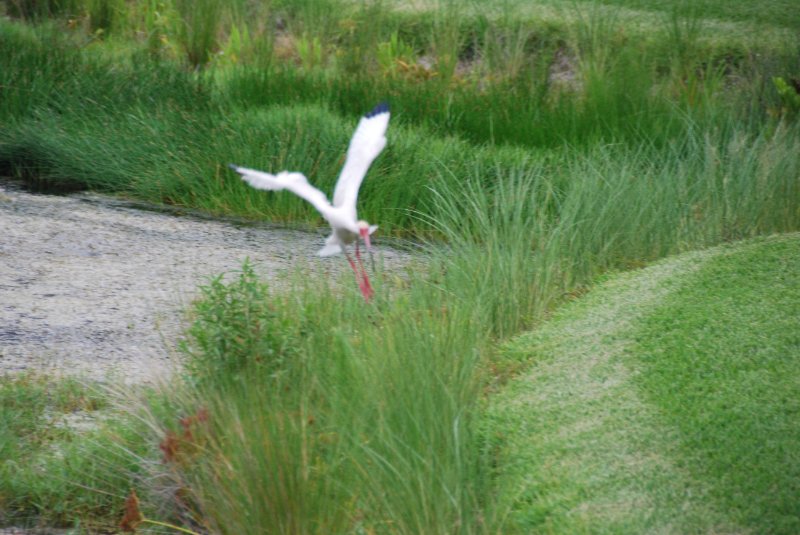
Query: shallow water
column 95, row 286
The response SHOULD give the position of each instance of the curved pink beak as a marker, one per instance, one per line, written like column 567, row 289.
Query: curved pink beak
column 365, row 236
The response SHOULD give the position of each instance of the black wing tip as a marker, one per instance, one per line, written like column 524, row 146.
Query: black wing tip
column 383, row 107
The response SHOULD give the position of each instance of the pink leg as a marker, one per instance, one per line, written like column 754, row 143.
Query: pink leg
column 361, row 276
column 364, row 276
column 360, row 263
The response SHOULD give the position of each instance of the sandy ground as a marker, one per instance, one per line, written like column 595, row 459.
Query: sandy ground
column 97, row 287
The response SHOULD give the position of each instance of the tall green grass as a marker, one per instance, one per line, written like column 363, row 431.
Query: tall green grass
column 38, row 9
column 332, row 416
column 146, row 129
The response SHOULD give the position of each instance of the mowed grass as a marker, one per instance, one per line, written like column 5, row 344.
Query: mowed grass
column 720, row 358
column 781, row 13
column 663, row 401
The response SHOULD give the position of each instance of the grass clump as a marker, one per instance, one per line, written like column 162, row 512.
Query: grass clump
column 365, row 396
column 57, row 468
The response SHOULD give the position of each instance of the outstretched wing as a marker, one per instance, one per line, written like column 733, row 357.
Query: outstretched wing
column 294, row 182
column 368, row 141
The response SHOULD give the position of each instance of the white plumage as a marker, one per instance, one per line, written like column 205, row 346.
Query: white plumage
column 367, row 143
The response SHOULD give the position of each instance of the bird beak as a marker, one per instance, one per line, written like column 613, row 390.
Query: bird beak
column 365, row 235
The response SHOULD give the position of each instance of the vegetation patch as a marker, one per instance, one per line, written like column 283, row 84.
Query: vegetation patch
column 53, row 471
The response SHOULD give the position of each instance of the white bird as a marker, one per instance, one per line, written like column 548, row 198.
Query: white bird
column 367, row 143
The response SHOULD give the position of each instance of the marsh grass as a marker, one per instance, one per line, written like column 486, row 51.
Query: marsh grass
column 356, row 418
column 39, row 10
column 198, row 29
column 105, row 16
column 552, row 228
column 58, row 468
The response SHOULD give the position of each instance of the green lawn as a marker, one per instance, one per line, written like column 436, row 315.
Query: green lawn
column 720, row 358
column 721, row 21
column 663, row 401
column 781, row 13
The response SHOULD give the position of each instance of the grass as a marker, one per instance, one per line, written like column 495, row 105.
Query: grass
column 369, row 395
column 55, row 470
column 779, row 13
column 533, row 154
column 661, row 401
column 321, row 404
column 730, row 338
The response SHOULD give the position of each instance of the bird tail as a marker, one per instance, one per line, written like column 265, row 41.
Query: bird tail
column 330, row 250
column 332, row 246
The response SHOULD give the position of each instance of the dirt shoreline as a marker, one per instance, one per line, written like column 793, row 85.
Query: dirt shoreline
column 97, row 287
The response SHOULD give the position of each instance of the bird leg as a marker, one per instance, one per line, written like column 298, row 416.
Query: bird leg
column 371, row 260
column 358, row 257
column 361, row 275
column 365, row 236
column 361, row 264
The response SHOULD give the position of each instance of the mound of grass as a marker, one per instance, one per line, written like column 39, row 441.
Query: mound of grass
column 54, row 469
column 326, row 415
column 662, row 401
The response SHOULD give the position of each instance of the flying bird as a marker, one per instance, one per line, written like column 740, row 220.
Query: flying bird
column 368, row 141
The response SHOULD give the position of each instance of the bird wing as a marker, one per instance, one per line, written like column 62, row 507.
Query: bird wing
column 297, row 183
column 367, row 142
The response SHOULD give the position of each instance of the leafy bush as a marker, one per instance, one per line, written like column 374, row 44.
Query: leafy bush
column 237, row 328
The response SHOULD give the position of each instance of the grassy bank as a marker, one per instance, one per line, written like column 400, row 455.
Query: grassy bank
column 537, row 154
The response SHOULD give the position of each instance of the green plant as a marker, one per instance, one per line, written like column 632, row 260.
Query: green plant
column 105, row 15
column 789, row 94
column 238, row 330
column 392, row 54
column 309, row 49
column 198, row 29
column 157, row 25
